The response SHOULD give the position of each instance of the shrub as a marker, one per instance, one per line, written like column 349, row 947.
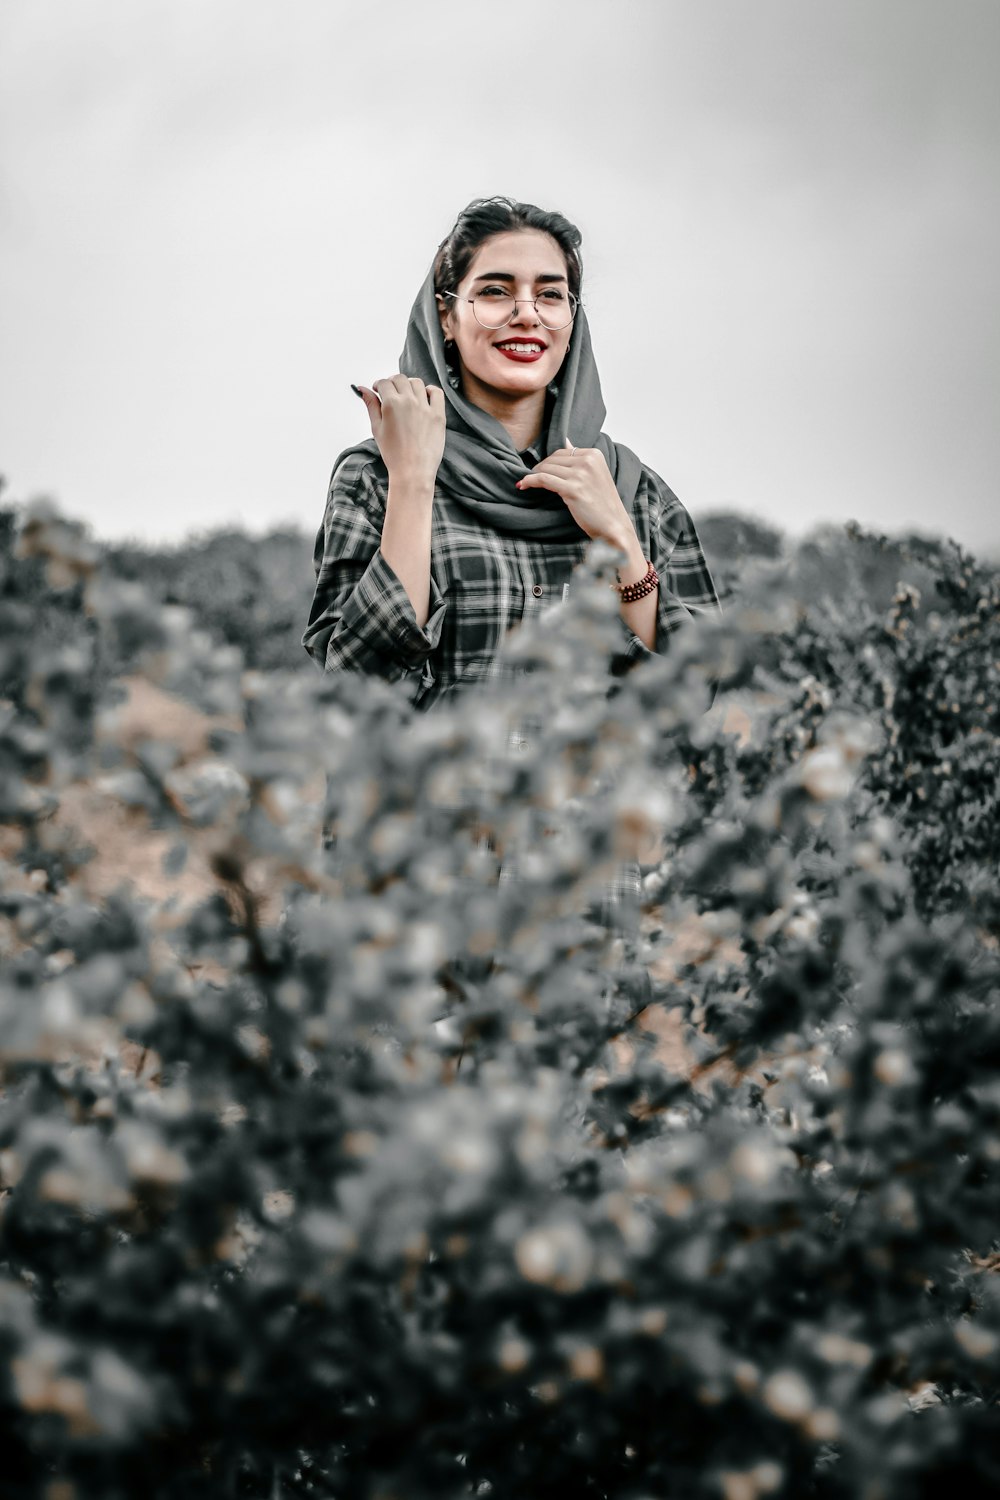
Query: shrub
column 251, row 592
column 374, row 1174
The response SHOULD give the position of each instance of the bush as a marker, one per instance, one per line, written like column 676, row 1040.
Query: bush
column 373, row 1174
column 251, row 592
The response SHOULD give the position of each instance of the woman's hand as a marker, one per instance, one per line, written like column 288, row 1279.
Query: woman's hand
column 408, row 424
column 583, row 480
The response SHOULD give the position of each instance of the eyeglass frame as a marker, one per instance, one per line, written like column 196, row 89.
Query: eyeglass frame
column 495, row 327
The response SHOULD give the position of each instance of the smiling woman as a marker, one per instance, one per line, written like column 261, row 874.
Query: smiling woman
column 525, row 317
column 488, row 475
column 486, row 479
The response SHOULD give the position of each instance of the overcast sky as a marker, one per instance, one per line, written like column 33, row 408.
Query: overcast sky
column 214, row 215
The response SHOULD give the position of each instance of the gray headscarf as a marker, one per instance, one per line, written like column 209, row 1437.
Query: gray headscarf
column 481, row 466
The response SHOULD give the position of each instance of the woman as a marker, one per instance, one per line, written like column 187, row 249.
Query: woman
column 486, row 479
column 488, row 475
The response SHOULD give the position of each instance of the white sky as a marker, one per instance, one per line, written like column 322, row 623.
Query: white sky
column 214, row 215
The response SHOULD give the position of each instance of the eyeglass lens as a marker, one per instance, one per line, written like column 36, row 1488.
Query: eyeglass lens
column 493, row 307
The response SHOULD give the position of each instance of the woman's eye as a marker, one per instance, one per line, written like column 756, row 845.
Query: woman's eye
column 494, row 291
column 553, row 295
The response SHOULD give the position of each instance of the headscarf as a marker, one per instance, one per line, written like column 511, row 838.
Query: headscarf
column 480, row 466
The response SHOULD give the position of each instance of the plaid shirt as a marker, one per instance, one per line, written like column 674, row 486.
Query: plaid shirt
column 483, row 582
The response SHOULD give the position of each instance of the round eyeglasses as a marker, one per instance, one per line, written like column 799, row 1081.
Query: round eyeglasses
column 494, row 306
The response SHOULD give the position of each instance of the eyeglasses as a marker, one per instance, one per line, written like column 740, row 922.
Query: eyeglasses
column 494, row 306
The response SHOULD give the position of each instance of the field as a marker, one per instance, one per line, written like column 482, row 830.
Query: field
column 345, row 1167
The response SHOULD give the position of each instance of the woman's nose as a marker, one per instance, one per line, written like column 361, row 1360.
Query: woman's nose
column 525, row 312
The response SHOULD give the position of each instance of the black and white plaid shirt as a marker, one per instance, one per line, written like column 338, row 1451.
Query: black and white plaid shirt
column 483, row 582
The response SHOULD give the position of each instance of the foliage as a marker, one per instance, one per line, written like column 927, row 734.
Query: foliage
column 251, row 592
column 372, row 1173
column 730, row 539
column 924, row 667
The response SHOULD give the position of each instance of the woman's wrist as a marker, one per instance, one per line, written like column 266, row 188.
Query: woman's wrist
column 636, row 563
column 411, row 487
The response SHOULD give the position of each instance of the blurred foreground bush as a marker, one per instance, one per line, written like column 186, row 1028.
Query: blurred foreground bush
column 356, row 1171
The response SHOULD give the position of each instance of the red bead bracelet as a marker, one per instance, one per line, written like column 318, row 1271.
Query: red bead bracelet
column 630, row 592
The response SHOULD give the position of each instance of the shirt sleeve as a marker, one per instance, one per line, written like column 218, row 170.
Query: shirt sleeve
column 673, row 547
column 362, row 619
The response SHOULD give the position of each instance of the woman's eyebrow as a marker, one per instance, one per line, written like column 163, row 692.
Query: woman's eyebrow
column 507, row 276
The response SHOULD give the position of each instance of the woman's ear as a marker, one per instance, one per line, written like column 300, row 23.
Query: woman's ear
column 444, row 313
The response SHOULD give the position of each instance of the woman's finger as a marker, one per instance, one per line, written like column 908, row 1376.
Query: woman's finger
column 392, row 385
column 552, row 471
column 545, row 481
column 566, row 465
column 373, row 405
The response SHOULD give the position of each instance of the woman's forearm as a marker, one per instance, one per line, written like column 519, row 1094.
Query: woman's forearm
column 640, row 616
column 406, row 540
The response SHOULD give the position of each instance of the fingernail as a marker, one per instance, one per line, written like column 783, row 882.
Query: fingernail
column 356, row 391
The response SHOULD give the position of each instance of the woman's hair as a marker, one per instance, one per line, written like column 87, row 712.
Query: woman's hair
column 484, row 217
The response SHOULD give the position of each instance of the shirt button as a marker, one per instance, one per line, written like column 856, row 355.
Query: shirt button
column 537, row 590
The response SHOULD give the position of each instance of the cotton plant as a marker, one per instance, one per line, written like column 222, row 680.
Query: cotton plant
column 370, row 1172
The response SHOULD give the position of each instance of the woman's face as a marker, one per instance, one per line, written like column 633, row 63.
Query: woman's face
column 524, row 263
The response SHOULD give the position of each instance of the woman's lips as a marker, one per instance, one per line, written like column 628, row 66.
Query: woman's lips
column 515, row 354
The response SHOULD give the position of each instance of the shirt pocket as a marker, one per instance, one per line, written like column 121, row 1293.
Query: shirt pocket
column 485, row 597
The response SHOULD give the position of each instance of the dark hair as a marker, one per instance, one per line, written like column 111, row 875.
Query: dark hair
column 484, row 217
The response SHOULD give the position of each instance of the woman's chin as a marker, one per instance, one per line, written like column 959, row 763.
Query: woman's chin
column 526, row 380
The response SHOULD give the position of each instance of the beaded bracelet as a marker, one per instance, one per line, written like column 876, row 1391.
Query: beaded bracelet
column 630, row 592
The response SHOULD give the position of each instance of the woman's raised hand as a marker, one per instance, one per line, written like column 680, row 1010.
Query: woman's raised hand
column 408, row 424
column 582, row 478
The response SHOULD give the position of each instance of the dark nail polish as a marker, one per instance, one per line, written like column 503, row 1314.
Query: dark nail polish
column 356, row 391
